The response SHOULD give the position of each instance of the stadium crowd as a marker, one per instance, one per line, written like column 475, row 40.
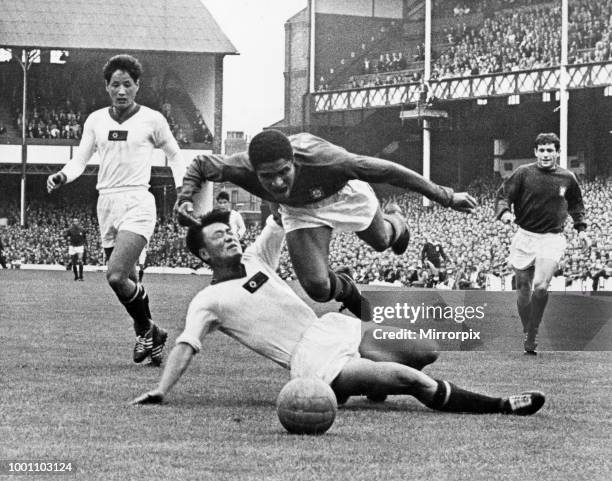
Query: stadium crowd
column 475, row 245
column 515, row 35
column 528, row 38
column 58, row 107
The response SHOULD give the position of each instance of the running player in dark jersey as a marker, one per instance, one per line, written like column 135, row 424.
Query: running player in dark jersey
column 541, row 194
column 76, row 248
column 320, row 187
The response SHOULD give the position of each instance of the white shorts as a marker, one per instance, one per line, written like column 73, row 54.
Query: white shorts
column 326, row 347
column 74, row 250
column 131, row 210
column 142, row 258
column 351, row 209
column 527, row 246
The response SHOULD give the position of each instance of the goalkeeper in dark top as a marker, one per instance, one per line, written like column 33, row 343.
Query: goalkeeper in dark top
column 319, row 187
column 538, row 197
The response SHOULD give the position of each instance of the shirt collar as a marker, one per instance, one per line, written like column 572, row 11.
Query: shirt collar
column 238, row 274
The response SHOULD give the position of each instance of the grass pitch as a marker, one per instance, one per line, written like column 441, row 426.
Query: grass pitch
column 67, row 377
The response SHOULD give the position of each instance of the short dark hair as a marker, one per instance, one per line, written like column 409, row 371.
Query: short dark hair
column 124, row 62
column 194, row 240
column 223, row 195
column 547, row 138
column 268, row 146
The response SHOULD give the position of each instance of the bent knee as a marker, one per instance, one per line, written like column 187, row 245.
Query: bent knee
column 116, row 279
column 429, row 357
column 317, row 289
column 540, row 289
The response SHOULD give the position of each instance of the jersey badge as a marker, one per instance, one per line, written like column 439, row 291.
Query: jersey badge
column 117, row 135
column 255, row 282
column 316, row 193
column 562, row 190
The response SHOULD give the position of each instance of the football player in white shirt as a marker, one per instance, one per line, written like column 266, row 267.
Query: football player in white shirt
column 248, row 301
column 125, row 135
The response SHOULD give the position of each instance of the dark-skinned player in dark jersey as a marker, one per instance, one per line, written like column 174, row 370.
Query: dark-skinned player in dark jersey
column 319, row 187
column 541, row 194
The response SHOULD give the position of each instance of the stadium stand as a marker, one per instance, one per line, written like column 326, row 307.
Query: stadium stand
column 60, row 100
column 482, row 37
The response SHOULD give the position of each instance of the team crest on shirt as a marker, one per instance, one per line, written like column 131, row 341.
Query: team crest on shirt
column 316, row 193
column 117, row 135
column 562, row 190
column 255, row 282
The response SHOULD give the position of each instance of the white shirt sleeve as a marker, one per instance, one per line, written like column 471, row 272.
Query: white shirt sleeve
column 166, row 141
column 237, row 224
column 75, row 166
column 269, row 243
column 201, row 320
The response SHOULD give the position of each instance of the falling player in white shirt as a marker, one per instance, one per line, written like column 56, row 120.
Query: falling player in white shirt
column 125, row 135
column 248, row 301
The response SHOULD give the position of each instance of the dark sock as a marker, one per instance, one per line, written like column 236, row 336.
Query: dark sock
column 397, row 224
column 81, row 270
column 340, row 288
column 145, row 297
column 451, row 398
column 74, row 269
column 138, row 308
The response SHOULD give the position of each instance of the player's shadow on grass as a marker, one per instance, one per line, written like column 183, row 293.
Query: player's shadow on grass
column 358, row 403
column 221, row 401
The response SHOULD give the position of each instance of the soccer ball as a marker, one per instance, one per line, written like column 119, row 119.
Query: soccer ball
column 306, row 406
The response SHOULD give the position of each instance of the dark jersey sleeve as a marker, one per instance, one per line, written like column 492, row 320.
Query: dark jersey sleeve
column 343, row 165
column 575, row 205
column 214, row 168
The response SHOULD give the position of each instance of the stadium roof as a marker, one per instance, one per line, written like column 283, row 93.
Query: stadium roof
column 150, row 25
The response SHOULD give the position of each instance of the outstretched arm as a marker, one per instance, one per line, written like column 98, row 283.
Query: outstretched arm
column 75, row 166
column 240, row 226
column 269, row 243
column 203, row 169
column 379, row 171
column 200, row 321
column 179, row 359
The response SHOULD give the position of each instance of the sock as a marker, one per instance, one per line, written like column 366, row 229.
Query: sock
column 340, row 287
column 138, row 308
column 81, row 270
column 451, row 398
column 145, row 298
column 524, row 313
column 538, row 304
column 74, row 269
column 397, row 224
